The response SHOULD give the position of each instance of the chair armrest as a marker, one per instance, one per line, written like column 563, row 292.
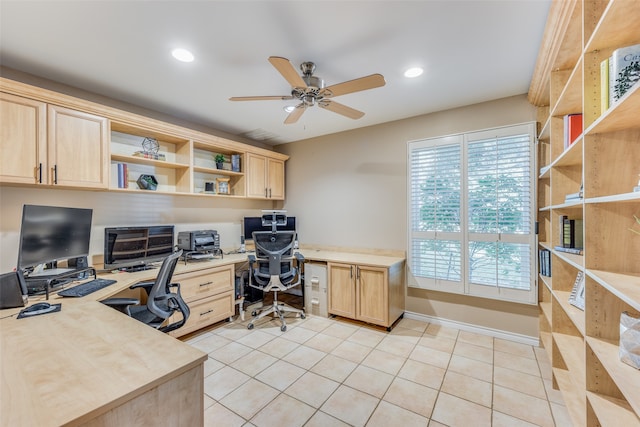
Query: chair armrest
column 120, row 304
column 299, row 257
column 252, row 259
column 146, row 285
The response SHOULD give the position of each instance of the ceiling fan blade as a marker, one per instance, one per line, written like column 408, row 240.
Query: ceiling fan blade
column 261, row 98
column 288, row 71
column 363, row 83
column 340, row 109
column 295, row 114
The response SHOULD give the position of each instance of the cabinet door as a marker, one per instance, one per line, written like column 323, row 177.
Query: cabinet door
column 256, row 176
column 372, row 295
column 77, row 148
column 275, row 182
column 342, row 297
column 23, row 140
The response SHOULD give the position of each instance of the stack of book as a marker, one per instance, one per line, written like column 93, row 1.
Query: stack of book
column 572, row 128
column 571, row 232
column 544, row 257
column 121, row 172
column 618, row 74
column 574, row 196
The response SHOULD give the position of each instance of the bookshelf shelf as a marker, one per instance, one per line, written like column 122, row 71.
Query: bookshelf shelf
column 581, row 34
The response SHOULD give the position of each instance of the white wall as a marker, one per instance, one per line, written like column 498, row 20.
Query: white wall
column 350, row 190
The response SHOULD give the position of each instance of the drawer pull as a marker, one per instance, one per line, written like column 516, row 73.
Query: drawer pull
column 206, row 312
column 205, row 284
column 315, row 281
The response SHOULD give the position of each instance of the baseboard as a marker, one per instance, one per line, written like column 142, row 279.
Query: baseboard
column 496, row 333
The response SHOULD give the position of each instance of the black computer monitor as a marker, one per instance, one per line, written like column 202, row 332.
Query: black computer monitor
column 52, row 233
column 254, row 223
column 133, row 248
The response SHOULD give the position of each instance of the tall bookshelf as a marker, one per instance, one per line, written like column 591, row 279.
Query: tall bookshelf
column 583, row 346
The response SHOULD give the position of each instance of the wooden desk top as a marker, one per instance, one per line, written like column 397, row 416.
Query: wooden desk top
column 81, row 362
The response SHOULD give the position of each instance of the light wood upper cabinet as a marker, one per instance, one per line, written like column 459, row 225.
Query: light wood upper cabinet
column 77, row 148
column 265, row 177
column 23, row 139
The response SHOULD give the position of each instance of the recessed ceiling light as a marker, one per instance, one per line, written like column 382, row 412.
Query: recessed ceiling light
column 289, row 108
column 413, row 72
column 182, row 55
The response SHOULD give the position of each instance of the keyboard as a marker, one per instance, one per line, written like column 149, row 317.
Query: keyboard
column 86, row 288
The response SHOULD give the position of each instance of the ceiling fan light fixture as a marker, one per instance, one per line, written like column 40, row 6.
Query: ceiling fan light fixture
column 182, row 55
column 413, row 72
column 289, row 108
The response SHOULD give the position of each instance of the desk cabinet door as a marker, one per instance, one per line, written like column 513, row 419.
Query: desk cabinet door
column 342, row 298
column 372, row 295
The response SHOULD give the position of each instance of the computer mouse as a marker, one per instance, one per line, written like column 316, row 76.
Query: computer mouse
column 38, row 307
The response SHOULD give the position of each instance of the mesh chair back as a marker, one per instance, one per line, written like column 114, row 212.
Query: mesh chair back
column 159, row 295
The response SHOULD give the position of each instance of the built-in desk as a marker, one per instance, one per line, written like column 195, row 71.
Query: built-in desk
column 89, row 364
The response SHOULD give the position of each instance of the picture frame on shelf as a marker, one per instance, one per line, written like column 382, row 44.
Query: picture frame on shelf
column 577, row 293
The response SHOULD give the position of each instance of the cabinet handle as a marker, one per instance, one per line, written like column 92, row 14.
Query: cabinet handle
column 55, row 174
column 351, row 272
column 40, row 173
column 265, row 193
column 358, row 273
column 269, row 193
column 206, row 312
column 205, row 284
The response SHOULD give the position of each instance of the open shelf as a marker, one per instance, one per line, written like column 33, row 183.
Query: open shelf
column 574, row 397
column 611, row 411
column 574, row 313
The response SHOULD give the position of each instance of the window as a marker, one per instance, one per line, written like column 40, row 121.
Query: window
column 471, row 219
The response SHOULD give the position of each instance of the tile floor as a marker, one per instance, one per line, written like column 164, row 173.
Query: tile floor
column 330, row 372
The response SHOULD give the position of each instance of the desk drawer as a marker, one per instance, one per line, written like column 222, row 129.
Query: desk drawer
column 207, row 311
column 204, row 283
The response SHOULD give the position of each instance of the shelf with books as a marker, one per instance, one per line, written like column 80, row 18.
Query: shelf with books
column 621, row 116
column 611, row 411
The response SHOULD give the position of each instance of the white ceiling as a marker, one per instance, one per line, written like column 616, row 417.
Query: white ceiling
column 472, row 51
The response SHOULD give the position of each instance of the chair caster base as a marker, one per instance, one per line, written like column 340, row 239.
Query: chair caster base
column 250, row 326
column 283, row 328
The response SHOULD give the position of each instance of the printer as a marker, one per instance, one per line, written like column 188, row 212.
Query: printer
column 199, row 241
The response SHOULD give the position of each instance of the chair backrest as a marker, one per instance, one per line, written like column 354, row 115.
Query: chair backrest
column 160, row 291
column 274, row 247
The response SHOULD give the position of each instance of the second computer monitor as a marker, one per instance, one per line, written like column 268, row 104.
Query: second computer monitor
column 254, row 223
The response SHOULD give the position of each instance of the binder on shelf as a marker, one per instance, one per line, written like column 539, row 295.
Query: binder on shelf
column 572, row 128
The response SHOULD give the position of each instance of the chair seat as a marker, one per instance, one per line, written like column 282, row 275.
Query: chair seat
column 141, row 313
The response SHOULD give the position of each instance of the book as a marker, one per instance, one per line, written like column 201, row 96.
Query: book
column 544, row 256
column 572, row 233
column 624, row 71
column 604, row 86
column 572, row 128
column 576, row 251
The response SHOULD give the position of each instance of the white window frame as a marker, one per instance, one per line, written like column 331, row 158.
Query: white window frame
column 464, row 286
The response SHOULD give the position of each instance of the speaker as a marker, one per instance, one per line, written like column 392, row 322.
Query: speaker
column 80, row 263
column 243, row 248
column 13, row 290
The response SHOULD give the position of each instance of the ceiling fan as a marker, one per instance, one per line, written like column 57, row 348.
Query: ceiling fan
column 310, row 90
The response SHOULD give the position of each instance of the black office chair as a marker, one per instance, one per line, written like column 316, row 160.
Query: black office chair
column 273, row 269
column 161, row 304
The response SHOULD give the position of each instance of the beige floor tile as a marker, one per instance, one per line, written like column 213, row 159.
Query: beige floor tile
column 323, row 342
column 474, row 352
column 468, row 388
column 545, row 369
column 515, row 348
column 208, row 402
column 504, row 420
column 232, row 331
column 278, row 347
column 217, row 415
column 340, row 330
column 383, row 361
column 230, row 352
column 438, row 342
column 411, row 396
column 522, row 406
column 351, row 351
column 476, row 339
column 519, row 381
column 433, row 423
column 422, row 373
column 351, row 406
column 473, row 368
column 431, row 356
column 453, row 411
column 312, row 389
column 517, row 363
column 211, row 343
column 553, row 395
column 304, row 357
column 320, row 419
column 409, row 335
column 335, row 368
column 280, row 375
column 255, row 339
column 317, row 324
column 442, row 331
column 284, row 410
column 387, row 415
column 249, row 398
column 417, row 325
column 396, row 345
column 369, row 380
column 299, row 335
column 223, row 382
column 212, row 365
column 254, row 363
column 561, row 415
column 367, row 337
